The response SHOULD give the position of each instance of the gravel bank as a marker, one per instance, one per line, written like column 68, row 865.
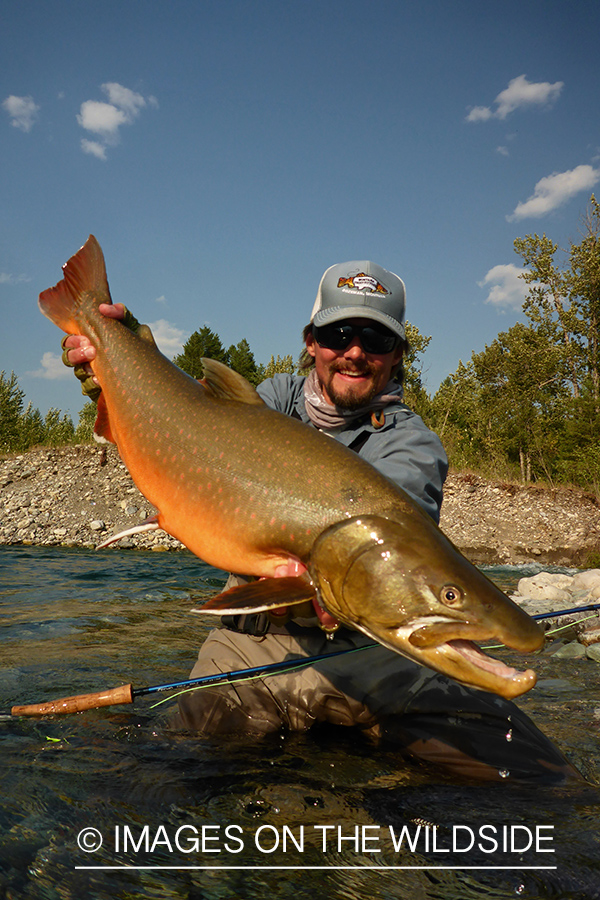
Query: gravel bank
column 80, row 495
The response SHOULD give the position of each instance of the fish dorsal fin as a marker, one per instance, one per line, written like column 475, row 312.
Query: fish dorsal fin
column 144, row 332
column 259, row 596
column 225, row 384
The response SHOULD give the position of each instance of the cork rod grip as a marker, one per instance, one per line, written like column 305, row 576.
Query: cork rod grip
column 122, row 694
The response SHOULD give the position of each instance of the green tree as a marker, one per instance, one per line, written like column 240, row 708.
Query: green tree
column 522, row 398
column 564, row 297
column 415, row 394
column 455, row 416
column 58, row 428
column 548, row 303
column 241, row 359
column 11, row 408
column 202, row 343
column 282, row 365
column 32, row 427
column 584, row 287
column 85, row 425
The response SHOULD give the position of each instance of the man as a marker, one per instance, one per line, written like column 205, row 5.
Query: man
column 356, row 341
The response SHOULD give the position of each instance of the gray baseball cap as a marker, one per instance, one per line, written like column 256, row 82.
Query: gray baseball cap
column 361, row 289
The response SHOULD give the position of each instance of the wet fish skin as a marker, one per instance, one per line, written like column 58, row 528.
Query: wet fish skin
column 248, row 489
column 379, row 576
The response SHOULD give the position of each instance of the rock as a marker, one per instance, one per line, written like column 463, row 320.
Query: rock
column 546, row 586
column 97, row 525
column 593, row 652
column 574, row 650
column 586, row 581
column 589, row 636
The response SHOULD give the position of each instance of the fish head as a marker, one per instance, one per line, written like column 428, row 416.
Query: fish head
column 406, row 585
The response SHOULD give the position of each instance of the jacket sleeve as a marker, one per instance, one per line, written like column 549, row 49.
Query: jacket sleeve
column 282, row 392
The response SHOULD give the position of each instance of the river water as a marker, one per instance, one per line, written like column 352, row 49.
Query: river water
column 289, row 816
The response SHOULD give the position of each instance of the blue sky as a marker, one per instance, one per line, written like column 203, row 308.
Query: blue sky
column 226, row 153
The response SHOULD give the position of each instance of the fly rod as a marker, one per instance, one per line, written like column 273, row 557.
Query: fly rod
column 126, row 693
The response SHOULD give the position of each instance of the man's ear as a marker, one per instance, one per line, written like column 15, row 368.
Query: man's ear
column 310, row 344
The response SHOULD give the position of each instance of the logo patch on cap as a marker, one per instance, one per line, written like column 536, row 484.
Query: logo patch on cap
column 363, row 282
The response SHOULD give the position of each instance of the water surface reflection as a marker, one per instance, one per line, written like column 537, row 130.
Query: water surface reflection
column 77, row 621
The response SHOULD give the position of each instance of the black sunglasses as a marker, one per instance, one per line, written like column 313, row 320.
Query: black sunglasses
column 339, row 335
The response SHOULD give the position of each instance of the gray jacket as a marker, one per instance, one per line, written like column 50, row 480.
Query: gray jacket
column 403, row 449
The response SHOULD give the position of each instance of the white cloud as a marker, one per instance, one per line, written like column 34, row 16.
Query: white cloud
column 503, row 151
column 168, row 337
column 93, row 147
column 507, row 289
column 519, row 93
column 105, row 119
column 6, row 278
column 480, row 114
column 101, row 118
column 52, row 369
column 554, row 190
column 22, row 111
column 124, row 99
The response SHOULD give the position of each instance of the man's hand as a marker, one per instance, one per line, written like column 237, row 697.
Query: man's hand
column 78, row 350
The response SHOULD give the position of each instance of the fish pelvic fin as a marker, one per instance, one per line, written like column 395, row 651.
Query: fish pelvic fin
column 225, row 384
column 259, row 596
column 85, row 271
column 102, row 427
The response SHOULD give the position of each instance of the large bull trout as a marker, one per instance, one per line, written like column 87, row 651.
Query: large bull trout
column 250, row 490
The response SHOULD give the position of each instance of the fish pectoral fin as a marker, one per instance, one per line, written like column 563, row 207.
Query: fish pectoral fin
column 259, row 596
column 226, row 384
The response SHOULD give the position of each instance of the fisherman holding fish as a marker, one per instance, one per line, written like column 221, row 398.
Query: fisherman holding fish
column 351, row 390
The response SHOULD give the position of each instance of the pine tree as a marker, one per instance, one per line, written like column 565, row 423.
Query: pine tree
column 11, row 408
column 241, row 359
column 202, row 343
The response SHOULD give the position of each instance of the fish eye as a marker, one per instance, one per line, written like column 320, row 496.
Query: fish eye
column 451, row 596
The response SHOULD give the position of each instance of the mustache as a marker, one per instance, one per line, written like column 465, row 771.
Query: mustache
column 355, row 370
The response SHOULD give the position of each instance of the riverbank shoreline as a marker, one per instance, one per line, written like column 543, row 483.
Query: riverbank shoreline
column 80, row 495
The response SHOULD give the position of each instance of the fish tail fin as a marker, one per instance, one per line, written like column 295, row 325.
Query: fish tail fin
column 85, row 271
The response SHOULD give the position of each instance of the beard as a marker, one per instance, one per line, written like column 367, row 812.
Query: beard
column 353, row 398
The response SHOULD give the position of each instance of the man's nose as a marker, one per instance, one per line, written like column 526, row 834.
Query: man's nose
column 354, row 350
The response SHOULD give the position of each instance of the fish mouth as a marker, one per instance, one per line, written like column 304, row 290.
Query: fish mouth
column 465, row 661
column 457, row 657
column 509, row 682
